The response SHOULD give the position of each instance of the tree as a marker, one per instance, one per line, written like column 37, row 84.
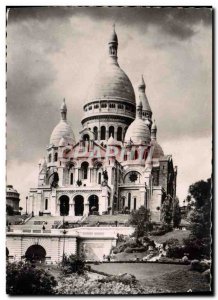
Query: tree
column 166, row 211
column 25, row 279
column 141, row 219
column 176, row 213
column 200, row 217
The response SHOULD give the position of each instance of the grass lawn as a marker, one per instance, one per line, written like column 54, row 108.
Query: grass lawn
column 174, row 278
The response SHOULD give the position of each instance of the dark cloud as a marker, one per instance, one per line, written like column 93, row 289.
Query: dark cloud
column 177, row 22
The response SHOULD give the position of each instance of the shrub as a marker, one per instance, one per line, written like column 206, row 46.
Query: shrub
column 128, row 250
column 25, row 279
column 197, row 248
column 73, row 264
column 196, row 265
column 139, row 249
column 175, row 252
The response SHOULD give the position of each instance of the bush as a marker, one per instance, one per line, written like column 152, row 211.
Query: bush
column 25, row 279
column 128, row 250
column 73, row 264
column 199, row 266
column 162, row 230
column 123, row 278
column 175, row 252
column 197, row 248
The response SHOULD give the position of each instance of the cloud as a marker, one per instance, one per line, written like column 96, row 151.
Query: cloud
column 173, row 21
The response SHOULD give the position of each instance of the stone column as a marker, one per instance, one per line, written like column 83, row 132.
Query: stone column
column 53, row 204
column 72, row 209
column 107, row 133
column 86, row 207
column 115, row 133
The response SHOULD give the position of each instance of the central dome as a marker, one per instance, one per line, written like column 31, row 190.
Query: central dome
column 111, row 83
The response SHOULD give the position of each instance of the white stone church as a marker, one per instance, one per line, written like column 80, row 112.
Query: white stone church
column 116, row 165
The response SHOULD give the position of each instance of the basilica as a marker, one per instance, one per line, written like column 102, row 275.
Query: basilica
column 117, row 164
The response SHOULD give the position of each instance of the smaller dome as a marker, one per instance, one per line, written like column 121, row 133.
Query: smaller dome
column 147, row 122
column 138, row 132
column 62, row 130
column 62, row 142
column 110, row 141
column 10, row 189
column 158, row 151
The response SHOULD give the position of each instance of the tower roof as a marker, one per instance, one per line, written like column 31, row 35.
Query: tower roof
column 62, row 129
column 113, row 38
column 142, row 95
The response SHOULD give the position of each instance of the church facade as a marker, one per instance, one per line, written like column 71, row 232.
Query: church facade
column 116, row 165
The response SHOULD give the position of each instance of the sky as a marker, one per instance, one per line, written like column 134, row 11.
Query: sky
column 55, row 52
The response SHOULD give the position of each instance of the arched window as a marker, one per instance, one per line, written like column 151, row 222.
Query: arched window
column 95, row 129
column 86, row 137
column 96, row 106
column 111, row 131
column 90, row 107
column 84, row 167
column 103, row 132
column 71, row 178
column 129, row 200
column 46, row 204
column 134, row 203
column 136, row 155
column 49, row 158
column 104, row 105
column 119, row 134
column 99, row 178
column 56, row 157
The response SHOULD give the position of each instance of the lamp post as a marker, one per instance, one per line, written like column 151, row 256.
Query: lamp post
column 26, row 204
column 63, row 256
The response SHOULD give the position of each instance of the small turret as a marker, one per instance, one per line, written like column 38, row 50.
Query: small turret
column 113, row 44
column 139, row 110
column 146, row 109
column 154, row 131
column 63, row 110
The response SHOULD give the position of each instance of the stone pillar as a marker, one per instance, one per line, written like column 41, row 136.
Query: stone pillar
column 107, row 133
column 76, row 174
column 115, row 133
column 30, row 204
column 72, row 209
column 86, row 208
column 53, row 204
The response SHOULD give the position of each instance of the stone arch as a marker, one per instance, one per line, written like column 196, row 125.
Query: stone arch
column 95, row 130
column 78, row 205
column 134, row 179
column 93, row 201
column 103, row 132
column 86, row 137
column 120, row 134
column 64, row 201
column 35, row 253
column 111, row 131
column 84, row 169
column 56, row 156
